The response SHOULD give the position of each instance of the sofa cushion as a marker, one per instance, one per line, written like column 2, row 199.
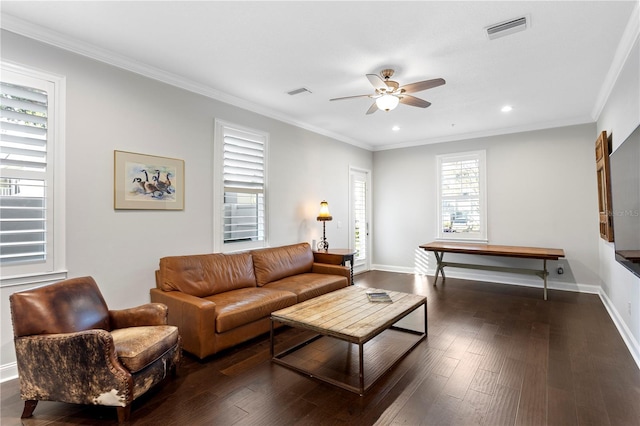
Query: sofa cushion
column 307, row 286
column 275, row 263
column 206, row 274
column 138, row 347
column 238, row 307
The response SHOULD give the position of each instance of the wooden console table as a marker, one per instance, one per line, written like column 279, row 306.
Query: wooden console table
column 439, row 248
column 336, row 257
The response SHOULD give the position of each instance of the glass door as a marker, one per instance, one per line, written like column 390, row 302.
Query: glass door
column 359, row 224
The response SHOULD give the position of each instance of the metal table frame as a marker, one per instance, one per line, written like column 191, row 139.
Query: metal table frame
column 362, row 388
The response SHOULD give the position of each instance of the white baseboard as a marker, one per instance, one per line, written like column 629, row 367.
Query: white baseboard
column 503, row 278
column 8, row 371
column 389, row 268
column 624, row 331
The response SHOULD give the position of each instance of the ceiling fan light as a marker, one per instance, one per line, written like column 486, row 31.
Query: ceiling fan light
column 387, row 102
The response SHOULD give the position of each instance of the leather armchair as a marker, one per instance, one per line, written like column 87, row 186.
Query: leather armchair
column 71, row 348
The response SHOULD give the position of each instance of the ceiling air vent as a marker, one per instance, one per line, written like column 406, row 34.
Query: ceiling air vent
column 298, row 91
column 507, row 27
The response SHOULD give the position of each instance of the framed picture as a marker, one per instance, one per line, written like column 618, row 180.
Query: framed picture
column 603, row 149
column 147, row 182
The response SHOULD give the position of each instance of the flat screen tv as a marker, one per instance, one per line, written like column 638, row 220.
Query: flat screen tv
column 625, row 201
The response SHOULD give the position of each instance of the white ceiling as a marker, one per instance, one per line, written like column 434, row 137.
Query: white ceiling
column 251, row 54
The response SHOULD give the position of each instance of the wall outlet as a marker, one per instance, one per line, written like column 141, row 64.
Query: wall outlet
column 629, row 308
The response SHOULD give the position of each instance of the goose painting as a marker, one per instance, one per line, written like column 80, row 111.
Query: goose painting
column 150, row 182
column 147, row 182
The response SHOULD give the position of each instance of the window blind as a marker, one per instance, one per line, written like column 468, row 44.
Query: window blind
column 243, row 165
column 460, row 195
column 23, row 179
column 244, row 185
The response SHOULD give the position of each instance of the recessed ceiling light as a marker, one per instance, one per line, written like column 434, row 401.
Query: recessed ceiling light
column 506, row 108
column 395, row 128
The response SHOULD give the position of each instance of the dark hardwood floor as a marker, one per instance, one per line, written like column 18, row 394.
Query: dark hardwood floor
column 495, row 355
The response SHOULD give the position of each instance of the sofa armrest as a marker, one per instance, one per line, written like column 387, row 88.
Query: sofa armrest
column 325, row 268
column 79, row 368
column 147, row 314
column 195, row 318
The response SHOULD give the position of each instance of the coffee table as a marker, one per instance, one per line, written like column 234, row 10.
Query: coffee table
column 347, row 315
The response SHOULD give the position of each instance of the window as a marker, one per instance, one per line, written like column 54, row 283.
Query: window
column 31, row 173
column 461, row 196
column 241, row 203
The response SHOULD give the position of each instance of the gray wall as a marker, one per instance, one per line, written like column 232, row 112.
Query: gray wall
column 111, row 109
column 541, row 191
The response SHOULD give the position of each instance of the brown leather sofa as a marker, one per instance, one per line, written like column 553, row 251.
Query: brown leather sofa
column 219, row 300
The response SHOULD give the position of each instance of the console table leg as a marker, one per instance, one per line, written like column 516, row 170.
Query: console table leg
column 439, row 268
column 351, row 267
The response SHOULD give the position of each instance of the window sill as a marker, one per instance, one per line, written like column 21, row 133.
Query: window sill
column 33, row 279
column 243, row 246
column 464, row 240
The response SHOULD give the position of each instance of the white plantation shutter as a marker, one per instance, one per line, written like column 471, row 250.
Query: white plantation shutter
column 461, row 198
column 244, row 186
column 26, row 174
column 243, row 165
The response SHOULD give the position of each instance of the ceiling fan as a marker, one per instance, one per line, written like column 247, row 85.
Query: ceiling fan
column 388, row 93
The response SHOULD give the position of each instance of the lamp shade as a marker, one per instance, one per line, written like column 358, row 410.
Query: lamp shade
column 324, row 211
column 387, row 102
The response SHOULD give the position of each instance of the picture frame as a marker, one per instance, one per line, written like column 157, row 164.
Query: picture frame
column 603, row 149
column 147, row 182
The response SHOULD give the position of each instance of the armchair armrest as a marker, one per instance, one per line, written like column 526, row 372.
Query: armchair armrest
column 79, row 368
column 195, row 318
column 325, row 268
column 147, row 314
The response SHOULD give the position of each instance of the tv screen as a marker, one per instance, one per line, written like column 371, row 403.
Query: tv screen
column 625, row 200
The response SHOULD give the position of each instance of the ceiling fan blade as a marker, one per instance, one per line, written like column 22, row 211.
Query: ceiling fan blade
column 373, row 108
column 422, row 85
column 413, row 101
column 350, row 97
column 377, row 82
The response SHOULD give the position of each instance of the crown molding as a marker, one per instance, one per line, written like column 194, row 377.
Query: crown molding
column 630, row 37
column 487, row 133
column 54, row 38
